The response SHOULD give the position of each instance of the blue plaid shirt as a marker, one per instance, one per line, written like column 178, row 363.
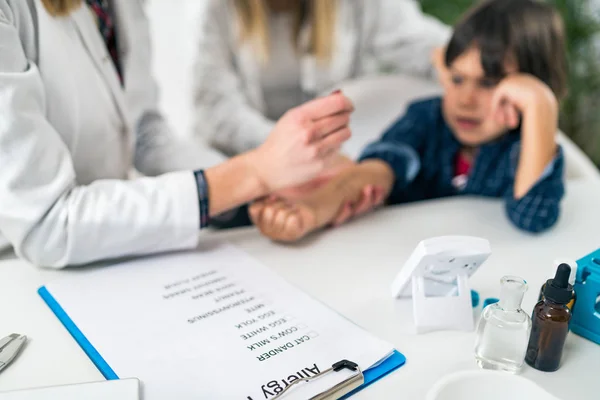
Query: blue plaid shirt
column 421, row 149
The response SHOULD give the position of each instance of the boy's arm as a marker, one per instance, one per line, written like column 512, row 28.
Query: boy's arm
column 390, row 163
column 289, row 221
column 533, row 202
column 538, row 141
column 539, row 208
column 402, row 144
column 348, row 187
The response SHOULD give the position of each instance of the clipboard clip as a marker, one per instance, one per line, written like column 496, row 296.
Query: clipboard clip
column 10, row 346
column 342, row 388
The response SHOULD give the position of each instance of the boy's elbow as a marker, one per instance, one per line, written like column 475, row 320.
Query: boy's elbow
column 538, row 221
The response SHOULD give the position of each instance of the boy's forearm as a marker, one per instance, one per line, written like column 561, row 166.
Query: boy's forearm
column 349, row 185
column 538, row 149
column 377, row 173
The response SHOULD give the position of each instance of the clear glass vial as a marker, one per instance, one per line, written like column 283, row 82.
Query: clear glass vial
column 503, row 329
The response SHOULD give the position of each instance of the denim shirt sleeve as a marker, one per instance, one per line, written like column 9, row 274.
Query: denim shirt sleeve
column 399, row 146
column 539, row 209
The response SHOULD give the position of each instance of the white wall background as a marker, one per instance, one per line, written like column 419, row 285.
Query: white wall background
column 172, row 24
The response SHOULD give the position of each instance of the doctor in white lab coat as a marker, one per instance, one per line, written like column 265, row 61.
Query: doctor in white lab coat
column 79, row 118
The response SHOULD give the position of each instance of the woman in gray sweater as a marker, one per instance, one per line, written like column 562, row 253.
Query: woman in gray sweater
column 259, row 58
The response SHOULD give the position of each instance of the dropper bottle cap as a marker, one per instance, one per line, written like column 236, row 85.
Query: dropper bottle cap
column 558, row 289
column 571, row 263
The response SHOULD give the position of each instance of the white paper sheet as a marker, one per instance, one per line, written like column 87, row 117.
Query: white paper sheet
column 122, row 389
column 213, row 324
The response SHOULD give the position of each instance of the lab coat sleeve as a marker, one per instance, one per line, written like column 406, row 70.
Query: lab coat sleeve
column 223, row 113
column 46, row 216
column 402, row 38
column 158, row 150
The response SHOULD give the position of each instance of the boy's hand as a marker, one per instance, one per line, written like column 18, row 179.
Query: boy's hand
column 371, row 198
column 362, row 187
column 538, row 106
column 373, row 184
column 281, row 220
column 288, row 221
column 522, row 95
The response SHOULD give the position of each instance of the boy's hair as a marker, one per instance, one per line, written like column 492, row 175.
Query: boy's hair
column 527, row 32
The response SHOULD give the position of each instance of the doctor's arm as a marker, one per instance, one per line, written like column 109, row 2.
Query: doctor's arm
column 223, row 113
column 403, row 37
column 52, row 221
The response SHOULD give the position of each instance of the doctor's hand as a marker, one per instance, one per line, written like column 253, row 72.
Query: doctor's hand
column 298, row 192
column 304, row 143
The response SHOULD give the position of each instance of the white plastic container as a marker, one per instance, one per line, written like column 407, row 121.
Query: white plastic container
column 488, row 385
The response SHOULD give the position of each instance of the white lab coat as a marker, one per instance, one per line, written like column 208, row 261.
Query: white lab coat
column 70, row 136
column 371, row 37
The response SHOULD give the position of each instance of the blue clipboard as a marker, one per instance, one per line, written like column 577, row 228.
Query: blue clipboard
column 390, row 364
column 372, row 375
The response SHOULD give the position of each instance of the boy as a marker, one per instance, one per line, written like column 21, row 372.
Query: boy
column 492, row 134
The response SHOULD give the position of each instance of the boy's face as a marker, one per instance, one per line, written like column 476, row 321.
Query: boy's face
column 467, row 104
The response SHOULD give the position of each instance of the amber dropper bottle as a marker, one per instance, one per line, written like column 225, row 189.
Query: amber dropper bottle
column 550, row 323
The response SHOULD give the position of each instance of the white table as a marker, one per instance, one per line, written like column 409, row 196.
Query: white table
column 350, row 269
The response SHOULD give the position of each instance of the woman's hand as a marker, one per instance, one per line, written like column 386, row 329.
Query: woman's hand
column 304, row 143
column 298, row 192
